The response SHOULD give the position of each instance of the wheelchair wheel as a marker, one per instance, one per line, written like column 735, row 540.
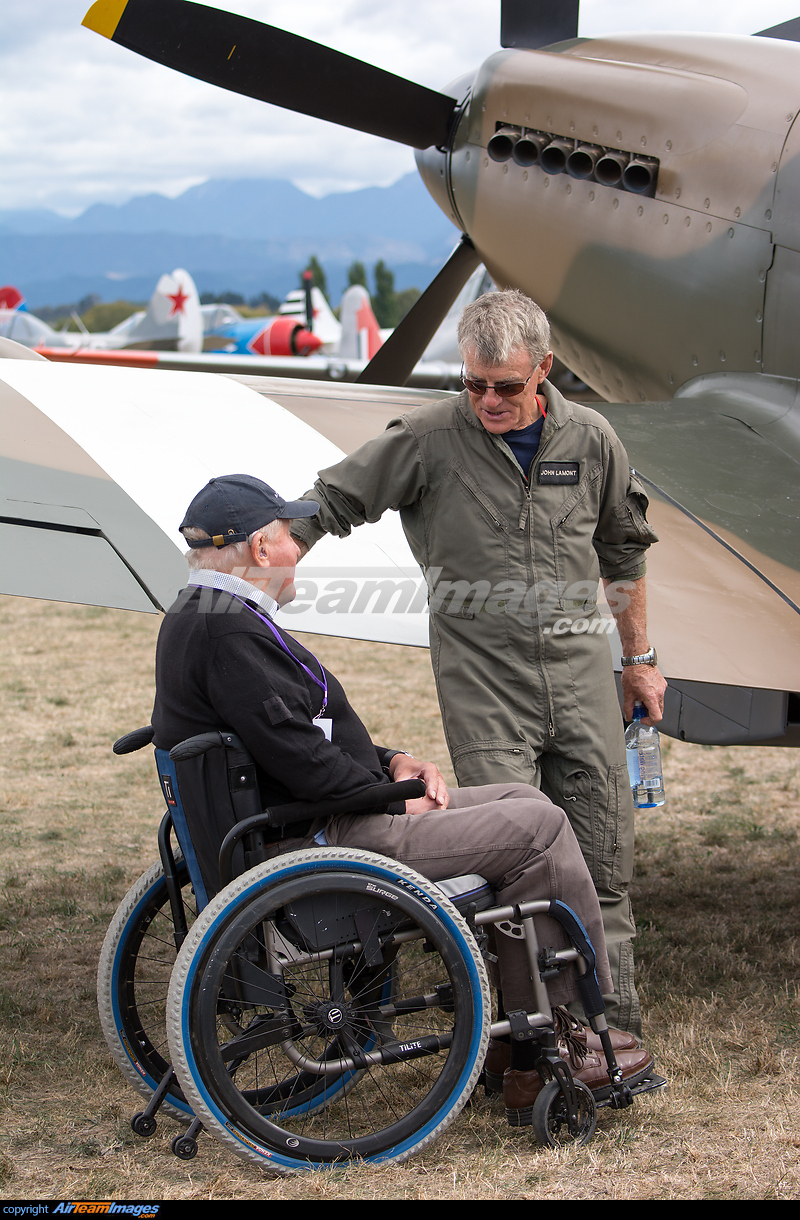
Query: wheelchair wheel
column 363, row 1006
column 132, row 983
column 549, row 1119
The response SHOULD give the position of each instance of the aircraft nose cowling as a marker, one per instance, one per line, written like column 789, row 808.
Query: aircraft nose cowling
column 284, row 336
column 434, row 163
column 304, row 342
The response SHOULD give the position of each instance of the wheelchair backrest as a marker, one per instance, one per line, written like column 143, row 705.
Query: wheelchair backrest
column 207, row 795
column 168, row 778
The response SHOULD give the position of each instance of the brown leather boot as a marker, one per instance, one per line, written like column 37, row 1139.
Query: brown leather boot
column 565, row 1024
column 520, row 1089
column 567, row 1029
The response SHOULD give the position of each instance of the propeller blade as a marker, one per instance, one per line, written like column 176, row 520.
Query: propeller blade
column 393, row 363
column 787, row 30
column 271, row 65
column 537, row 23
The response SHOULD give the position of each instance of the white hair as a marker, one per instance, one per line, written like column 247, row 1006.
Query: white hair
column 233, row 557
column 499, row 323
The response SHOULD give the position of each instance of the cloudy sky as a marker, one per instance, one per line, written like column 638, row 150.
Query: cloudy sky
column 87, row 121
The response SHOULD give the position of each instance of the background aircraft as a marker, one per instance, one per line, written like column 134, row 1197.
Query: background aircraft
column 279, row 346
column 225, row 330
column 309, row 304
column 303, row 325
column 171, row 322
column 644, row 190
column 12, row 298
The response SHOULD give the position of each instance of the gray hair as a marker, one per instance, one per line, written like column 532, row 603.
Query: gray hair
column 499, row 323
column 234, row 556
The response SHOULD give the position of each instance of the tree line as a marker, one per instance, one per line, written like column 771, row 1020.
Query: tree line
column 388, row 305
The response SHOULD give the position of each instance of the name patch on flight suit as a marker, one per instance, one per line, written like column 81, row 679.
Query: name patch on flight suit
column 559, row 472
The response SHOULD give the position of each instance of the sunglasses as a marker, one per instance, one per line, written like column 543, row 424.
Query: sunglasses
column 505, row 389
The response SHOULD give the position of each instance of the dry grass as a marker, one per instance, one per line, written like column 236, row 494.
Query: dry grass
column 716, row 900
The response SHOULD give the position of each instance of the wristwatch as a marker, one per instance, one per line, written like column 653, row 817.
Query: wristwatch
column 387, row 758
column 644, row 658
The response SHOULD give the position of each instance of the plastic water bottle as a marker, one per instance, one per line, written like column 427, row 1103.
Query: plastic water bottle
column 643, row 752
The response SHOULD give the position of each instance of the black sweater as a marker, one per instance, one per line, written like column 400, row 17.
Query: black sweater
column 218, row 666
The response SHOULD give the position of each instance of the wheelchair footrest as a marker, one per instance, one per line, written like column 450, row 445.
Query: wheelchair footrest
column 651, row 1082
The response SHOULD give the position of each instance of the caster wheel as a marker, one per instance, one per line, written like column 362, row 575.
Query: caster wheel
column 143, row 1125
column 184, row 1147
column 550, row 1121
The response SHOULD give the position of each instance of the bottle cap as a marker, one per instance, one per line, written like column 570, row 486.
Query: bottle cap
column 639, row 711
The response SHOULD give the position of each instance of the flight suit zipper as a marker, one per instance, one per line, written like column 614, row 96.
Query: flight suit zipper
column 551, row 730
column 526, row 523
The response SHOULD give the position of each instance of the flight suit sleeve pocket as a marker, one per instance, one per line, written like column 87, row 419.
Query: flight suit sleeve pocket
column 632, row 513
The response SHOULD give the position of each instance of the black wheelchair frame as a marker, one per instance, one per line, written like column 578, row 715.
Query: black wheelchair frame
column 325, row 1005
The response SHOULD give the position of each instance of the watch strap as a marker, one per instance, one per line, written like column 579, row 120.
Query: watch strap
column 643, row 658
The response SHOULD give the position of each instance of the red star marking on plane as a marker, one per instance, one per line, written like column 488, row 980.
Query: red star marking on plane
column 178, row 299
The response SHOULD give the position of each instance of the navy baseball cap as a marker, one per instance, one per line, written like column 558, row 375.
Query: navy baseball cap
column 231, row 507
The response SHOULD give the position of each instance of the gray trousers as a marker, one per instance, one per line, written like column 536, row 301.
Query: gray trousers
column 524, row 846
column 582, row 769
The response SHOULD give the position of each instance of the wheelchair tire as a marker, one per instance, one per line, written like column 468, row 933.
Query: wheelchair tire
column 133, row 976
column 412, row 988
column 549, row 1116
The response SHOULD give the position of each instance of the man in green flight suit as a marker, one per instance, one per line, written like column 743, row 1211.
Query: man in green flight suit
column 516, row 503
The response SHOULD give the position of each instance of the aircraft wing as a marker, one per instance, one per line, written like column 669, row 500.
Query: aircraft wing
column 427, row 374
column 98, row 464
column 720, row 464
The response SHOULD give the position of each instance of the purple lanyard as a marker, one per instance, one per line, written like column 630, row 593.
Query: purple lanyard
column 323, row 685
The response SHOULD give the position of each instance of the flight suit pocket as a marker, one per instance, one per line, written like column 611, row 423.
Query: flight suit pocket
column 578, row 800
column 493, row 762
column 632, row 513
column 469, row 485
column 620, row 815
column 573, row 522
column 600, row 811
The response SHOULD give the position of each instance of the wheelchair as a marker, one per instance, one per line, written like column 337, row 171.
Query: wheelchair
column 326, row 1005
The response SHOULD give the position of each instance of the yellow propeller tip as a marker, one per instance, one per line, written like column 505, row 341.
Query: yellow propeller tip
column 103, row 17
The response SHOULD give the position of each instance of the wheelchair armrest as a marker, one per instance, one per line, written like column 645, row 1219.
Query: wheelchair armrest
column 376, row 796
column 193, row 747
column 134, row 741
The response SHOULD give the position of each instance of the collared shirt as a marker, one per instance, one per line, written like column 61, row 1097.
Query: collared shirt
column 207, row 578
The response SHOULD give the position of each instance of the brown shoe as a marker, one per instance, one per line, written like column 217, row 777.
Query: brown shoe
column 498, row 1059
column 520, row 1089
column 565, row 1024
column 571, row 1033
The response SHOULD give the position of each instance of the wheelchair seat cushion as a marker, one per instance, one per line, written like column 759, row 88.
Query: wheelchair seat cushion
column 472, row 888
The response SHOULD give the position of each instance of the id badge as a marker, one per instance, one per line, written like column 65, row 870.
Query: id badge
column 326, row 724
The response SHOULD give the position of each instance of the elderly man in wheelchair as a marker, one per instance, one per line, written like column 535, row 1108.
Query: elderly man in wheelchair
column 334, row 908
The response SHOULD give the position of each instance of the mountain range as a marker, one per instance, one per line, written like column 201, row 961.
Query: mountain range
column 245, row 235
